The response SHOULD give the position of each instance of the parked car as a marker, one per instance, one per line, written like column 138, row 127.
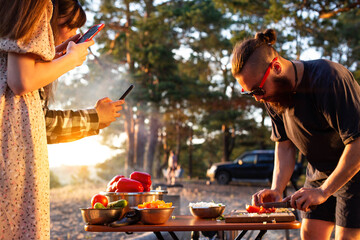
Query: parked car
column 252, row 165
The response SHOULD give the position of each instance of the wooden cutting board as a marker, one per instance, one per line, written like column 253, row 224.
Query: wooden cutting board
column 245, row 217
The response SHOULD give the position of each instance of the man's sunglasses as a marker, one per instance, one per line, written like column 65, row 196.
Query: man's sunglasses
column 259, row 91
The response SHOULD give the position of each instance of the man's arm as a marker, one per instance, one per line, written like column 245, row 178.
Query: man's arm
column 69, row 125
column 283, row 169
column 284, row 165
column 348, row 166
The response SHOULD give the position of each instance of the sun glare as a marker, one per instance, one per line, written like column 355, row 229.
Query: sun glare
column 86, row 151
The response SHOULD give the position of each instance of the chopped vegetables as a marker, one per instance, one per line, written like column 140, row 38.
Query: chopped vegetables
column 155, row 204
column 256, row 209
column 205, row 204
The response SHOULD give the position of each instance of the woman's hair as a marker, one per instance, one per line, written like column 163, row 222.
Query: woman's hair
column 262, row 44
column 20, row 17
column 71, row 10
column 75, row 16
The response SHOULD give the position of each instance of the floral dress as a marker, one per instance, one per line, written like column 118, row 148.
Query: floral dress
column 24, row 167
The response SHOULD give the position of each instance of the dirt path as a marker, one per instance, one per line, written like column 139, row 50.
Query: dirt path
column 66, row 221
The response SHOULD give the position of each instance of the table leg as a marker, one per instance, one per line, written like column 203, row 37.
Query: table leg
column 173, row 235
column 195, row 235
column 159, row 236
column 260, row 235
column 243, row 232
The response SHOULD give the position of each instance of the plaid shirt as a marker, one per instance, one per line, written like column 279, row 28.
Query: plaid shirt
column 68, row 125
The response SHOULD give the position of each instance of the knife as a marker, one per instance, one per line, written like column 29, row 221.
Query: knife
column 281, row 205
column 276, row 204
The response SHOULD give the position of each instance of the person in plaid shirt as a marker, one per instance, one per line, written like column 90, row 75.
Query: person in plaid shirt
column 70, row 125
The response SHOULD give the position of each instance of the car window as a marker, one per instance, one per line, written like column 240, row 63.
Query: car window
column 249, row 158
column 265, row 158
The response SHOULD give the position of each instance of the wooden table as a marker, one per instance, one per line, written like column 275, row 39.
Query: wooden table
column 189, row 223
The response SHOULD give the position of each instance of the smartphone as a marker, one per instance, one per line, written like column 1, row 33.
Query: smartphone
column 127, row 92
column 90, row 33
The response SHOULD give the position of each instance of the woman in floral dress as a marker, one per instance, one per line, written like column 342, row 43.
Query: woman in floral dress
column 26, row 53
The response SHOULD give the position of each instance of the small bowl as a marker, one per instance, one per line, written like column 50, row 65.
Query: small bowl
column 154, row 216
column 101, row 216
column 208, row 212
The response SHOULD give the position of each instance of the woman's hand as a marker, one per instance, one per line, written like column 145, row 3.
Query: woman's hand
column 78, row 52
column 60, row 50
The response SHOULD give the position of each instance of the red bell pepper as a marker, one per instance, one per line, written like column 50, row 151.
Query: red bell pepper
column 147, row 187
column 141, row 177
column 129, row 185
column 114, row 179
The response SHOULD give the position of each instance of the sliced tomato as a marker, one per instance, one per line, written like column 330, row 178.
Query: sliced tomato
column 252, row 209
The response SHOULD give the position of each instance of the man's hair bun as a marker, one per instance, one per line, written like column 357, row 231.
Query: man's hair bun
column 269, row 36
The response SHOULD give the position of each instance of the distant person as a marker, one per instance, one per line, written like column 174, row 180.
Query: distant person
column 172, row 166
column 27, row 50
column 314, row 106
column 71, row 125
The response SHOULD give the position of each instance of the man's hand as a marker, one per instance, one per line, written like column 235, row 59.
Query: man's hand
column 108, row 111
column 265, row 195
column 307, row 197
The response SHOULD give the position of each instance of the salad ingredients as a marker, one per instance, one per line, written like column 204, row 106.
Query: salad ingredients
column 98, row 198
column 129, row 185
column 118, row 204
column 99, row 206
column 205, row 204
column 256, row 209
column 155, row 204
column 142, row 177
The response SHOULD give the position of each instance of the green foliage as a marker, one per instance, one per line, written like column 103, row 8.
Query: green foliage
column 178, row 54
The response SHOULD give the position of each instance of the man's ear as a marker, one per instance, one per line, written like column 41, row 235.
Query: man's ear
column 277, row 67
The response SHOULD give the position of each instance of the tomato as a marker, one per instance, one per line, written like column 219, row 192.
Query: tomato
column 256, row 209
column 98, row 198
column 252, row 209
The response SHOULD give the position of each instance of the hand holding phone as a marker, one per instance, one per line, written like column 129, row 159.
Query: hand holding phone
column 126, row 92
column 90, row 33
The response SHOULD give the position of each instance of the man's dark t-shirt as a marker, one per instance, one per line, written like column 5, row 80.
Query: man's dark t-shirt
column 325, row 116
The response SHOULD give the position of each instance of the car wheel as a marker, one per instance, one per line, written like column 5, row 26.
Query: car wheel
column 223, row 178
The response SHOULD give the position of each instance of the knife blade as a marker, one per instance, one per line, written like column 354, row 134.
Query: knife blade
column 276, row 204
column 281, row 205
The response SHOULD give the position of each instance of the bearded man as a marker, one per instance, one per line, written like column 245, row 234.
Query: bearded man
column 314, row 106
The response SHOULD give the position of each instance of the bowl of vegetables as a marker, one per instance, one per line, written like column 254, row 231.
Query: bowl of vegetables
column 206, row 209
column 103, row 212
column 155, row 212
column 105, row 216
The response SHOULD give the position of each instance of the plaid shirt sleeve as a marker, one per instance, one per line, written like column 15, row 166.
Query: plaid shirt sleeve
column 68, row 125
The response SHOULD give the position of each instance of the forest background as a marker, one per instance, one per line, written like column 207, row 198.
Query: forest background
column 177, row 54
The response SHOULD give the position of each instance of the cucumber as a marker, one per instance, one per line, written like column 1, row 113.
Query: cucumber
column 118, row 204
column 99, row 206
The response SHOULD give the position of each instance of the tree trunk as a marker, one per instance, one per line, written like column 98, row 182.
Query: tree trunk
column 129, row 128
column 164, row 162
column 178, row 140
column 190, row 152
column 226, row 142
column 153, row 140
column 140, row 142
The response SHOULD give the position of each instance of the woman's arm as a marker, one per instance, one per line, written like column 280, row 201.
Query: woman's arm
column 26, row 74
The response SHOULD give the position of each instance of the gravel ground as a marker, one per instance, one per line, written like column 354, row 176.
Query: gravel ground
column 67, row 223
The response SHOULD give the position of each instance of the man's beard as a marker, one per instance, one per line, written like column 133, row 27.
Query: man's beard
column 283, row 96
